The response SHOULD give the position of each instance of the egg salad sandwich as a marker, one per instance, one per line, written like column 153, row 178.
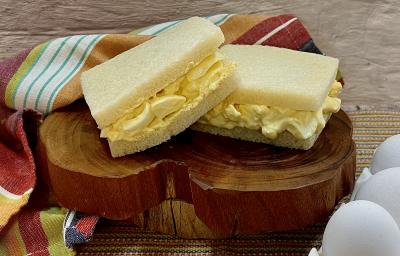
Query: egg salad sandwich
column 151, row 92
column 283, row 97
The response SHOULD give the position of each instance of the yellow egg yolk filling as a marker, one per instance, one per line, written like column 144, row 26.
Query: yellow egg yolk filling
column 156, row 111
column 271, row 121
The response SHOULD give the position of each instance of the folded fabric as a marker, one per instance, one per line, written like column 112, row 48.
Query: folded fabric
column 46, row 77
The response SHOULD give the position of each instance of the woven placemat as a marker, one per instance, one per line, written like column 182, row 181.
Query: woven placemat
column 371, row 127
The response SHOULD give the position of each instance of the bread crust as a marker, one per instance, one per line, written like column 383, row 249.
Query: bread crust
column 284, row 139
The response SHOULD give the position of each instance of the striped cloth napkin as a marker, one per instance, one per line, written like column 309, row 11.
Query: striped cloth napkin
column 46, row 77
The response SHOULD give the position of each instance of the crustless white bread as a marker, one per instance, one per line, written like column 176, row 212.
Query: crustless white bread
column 151, row 92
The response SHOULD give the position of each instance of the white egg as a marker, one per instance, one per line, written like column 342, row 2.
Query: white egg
column 383, row 188
column 361, row 228
column 387, row 155
column 313, row 252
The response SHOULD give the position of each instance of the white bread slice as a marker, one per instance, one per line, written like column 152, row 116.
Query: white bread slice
column 177, row 124
column 126, row 80
column 284, row 139
column 280, row 77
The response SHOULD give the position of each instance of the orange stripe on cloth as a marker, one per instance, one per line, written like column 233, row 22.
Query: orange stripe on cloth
column 9, row 207
column 108, row 47
column 238, row 25
column 17, row 171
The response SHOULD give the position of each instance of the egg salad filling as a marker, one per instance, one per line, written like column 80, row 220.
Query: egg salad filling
column 156, row 111
column 272, row 121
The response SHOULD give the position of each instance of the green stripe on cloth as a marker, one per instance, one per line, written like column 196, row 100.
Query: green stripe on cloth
column 23, row 71
column 136, row 31
column 166, row 27
column 68, row 77
column 30, row 86
column 57, row 72
column 19, row 239
column 3, row 250
column 52, row 222
column 221, row 20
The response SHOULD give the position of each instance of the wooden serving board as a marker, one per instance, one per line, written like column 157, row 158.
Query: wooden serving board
column 197, row 185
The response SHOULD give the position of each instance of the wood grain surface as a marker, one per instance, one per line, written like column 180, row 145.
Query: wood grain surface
column 197, row 184
column 363, row 34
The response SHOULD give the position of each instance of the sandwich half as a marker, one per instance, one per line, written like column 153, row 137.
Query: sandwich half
column 283, row 97
column 151, row 92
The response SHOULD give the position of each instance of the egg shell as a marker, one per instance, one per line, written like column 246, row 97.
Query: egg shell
column 383, row 188
column 361, row 180
column 387, row 155
column 313, row 252
column 361, row 228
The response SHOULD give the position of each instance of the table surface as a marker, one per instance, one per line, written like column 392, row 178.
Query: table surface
column 364, row 35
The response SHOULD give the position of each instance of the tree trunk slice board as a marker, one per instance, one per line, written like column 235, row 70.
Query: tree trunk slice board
column 175, row 217
column 197, row 184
